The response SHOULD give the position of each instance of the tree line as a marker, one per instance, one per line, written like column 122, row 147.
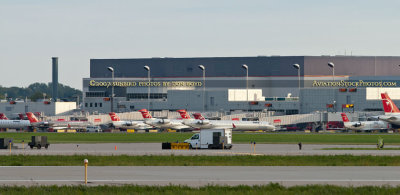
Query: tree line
column 37, row 91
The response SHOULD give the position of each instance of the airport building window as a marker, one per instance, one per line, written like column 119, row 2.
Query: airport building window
column 100, row 104
column 96, row 94
column 144, row 96
column 290, row 112
column 95, row 104
column 91, row 104
column 86, row 105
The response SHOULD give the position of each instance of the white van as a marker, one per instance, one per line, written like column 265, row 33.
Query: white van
column 211, row 139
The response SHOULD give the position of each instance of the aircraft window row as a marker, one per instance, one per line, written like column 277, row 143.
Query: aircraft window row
column 93, row 104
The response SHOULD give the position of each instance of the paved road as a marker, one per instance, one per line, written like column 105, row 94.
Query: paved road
column 198, row 176
column 155, row 149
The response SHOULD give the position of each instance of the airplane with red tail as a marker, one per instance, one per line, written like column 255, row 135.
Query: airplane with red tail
column 363, row 125
column 13, row 124
column 166, row 123
column 198, row 116
column 201, row 123
column 3, row 116
column 56, row 124
column 392, row 113
column 117, row 123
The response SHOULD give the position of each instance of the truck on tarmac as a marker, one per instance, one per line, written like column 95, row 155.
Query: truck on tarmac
column 211, row 139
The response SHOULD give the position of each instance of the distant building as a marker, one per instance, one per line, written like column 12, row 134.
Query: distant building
column 48, row 108
column 177, row 83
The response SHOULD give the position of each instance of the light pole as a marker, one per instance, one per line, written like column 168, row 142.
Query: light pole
column 332, row 65
column 148, row 87
column 297, row 66
column 111, row 69
column 247, row 83
column 203, row 68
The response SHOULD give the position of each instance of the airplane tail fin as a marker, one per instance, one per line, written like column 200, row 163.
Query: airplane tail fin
column 114, row 116
column 184, row 114
column 3, row 116
column 32, row 118
column 145, row 113
column 198, row 116
column 344, row 117
column 21, row 116
column 388, row 104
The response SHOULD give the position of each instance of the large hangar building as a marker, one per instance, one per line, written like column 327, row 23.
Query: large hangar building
column 269, row 83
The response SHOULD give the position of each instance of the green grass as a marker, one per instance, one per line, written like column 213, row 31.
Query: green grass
column 271, row 188
column 316, row 138
column 360, row 149
column 247, row 160
column 237, row 138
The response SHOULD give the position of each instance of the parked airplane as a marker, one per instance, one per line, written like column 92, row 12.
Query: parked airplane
column 3, row 116
column 14, row 124
column 165, row 123
column 363, row 125
column 117, row 123
column 56, row 124
column 203, row 123
column 392, row 113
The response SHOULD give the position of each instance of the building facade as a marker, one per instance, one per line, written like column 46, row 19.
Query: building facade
column 267, row 84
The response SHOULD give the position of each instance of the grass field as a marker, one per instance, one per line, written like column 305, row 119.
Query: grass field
column 360, row 149
column 124, row 160
column 275, row 189
column 237, row 138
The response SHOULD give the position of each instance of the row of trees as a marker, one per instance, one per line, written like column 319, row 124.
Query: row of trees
column 35, row 91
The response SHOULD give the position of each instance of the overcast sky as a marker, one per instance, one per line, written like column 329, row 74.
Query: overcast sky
column 31, row 32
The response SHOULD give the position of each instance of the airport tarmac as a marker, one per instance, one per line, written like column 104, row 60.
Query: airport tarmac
column 199, row 175
column 238, row 149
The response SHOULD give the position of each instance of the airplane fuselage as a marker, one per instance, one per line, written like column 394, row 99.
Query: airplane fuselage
column 14, row 124
column 390, row 118
column 52, row 124
column 366, row 125
column 167, row 123
column 131, row 125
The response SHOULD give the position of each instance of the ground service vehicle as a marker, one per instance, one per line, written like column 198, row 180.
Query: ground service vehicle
column 39, row 142
column 211, row 139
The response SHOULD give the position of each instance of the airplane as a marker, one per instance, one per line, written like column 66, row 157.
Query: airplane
column 56, row 124
column 201, row 123
column 14, row 124
column 117, row 123
column 363, row 125
column 392, row 113
column 165, row 123
column 3, row 116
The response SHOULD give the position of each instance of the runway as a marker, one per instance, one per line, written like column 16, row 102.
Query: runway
column 238, row 149
column 199, row 176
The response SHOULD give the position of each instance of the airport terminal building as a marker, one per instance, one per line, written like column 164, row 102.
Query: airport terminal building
column 262, row 83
